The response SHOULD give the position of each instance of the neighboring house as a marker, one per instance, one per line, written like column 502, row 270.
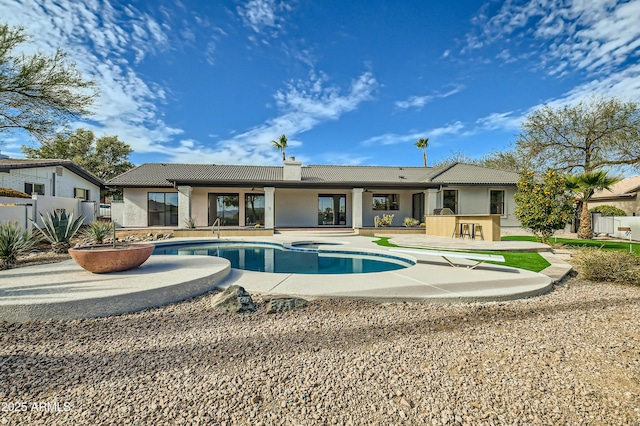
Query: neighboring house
column 623, row 195
column 56, row 178
column 291, row 195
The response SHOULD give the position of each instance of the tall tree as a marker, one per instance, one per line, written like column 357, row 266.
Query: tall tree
column 500, row 160
column 599, row 132
column 585, row 185
column 281, row 144
column 38, row 93
column 543, row 206
column 422, row 144
column 105, row 157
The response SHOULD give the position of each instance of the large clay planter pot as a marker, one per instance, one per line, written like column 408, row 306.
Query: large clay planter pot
column 104, row 258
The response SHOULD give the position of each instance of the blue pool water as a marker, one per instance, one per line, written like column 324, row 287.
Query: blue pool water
column 278, row 259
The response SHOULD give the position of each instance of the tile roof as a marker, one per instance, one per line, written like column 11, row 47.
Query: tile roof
column 164, row 175
column 468, row 174
column 627, row 186
column 7, row 164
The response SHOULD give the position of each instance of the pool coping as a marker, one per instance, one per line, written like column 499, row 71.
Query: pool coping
column 65, row 291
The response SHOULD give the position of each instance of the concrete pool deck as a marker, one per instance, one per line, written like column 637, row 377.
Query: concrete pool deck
column 66, row 291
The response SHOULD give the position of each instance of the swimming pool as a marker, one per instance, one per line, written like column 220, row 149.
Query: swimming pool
column 266, row 257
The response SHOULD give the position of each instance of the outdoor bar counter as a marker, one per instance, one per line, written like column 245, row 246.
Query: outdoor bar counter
column 480, row 226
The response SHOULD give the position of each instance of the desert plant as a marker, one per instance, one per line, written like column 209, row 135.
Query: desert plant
column 190, row 223
column 97, row 232
column 59, row 230
column 607, row 210
column 385, row 220
column 410, row 222
column 14, row 242
column 608, row 266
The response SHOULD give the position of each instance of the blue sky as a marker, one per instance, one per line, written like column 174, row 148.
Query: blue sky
column 348, row 82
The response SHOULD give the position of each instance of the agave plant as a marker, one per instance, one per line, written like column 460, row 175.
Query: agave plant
column 98, row 231
column 59, row 230
column 14, row 242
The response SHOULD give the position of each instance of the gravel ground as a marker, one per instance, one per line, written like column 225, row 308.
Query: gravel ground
column 569, row 357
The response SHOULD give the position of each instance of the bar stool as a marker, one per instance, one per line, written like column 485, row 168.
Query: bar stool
column 478, row 230
column 465, row 229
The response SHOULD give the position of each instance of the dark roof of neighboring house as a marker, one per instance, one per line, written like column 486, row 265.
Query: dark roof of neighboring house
column 8, row 164
column 627, row 187
column 167, row 175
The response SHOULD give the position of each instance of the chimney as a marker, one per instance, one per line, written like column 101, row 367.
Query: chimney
column 292, row 169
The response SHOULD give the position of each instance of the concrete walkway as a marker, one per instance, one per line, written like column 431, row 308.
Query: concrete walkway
column 65, row 291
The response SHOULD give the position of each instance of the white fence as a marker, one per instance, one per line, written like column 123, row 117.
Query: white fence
column 610, row 225
column 22, row 209
column 17, row 210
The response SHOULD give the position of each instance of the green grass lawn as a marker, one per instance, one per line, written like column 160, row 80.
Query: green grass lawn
column 575, row 243
column 531, row 261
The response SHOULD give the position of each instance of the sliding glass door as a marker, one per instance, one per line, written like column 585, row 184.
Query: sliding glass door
column 224, row 207
column 332, row 209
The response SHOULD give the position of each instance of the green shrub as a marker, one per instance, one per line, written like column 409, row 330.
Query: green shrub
column 98, row 231
column 14, row 242
column 606, row 210
column 59, row 230
column 385, row 221
column 8, row 192
column 410, row 222
column 608, row 266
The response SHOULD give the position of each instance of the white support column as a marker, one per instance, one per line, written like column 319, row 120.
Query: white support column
column 184, row 204
column 269, row 207
column 356, row 208
column 430, row 201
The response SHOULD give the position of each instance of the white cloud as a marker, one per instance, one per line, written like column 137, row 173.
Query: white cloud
column 414, row 102
column 420, row 101
column 595, row 36
column 455, row 128
column 500, row 121
column 97, row 38
column 303, row 105
column 259, row 14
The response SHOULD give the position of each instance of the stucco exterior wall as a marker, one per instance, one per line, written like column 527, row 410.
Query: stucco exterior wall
column 299, row 207
column 629, row 205
column 64, row 185
column 136, row 201
column 474, row 200
column 405, row 205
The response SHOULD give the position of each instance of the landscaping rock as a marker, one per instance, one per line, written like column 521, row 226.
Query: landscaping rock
column 281, row 304
column 234, row 299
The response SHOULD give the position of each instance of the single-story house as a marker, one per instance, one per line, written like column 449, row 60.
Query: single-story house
column 59, row 185
column 623, row 195
column 158, row 194
column 50, row 177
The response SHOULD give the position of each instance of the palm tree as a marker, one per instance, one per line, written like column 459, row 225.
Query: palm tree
column 585, row 184
column 422, row 144
column 281, row 144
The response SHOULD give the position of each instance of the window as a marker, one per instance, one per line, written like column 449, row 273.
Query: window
column 163, row 208
column 224, row 207
column 254, row 209
column 386, row 201
column 450, row 200
column 34, row 188
column 332, row 209
column 81, row 193
column 496, row 201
